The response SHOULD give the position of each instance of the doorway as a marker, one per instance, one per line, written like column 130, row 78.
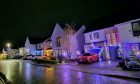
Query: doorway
column 113, row 51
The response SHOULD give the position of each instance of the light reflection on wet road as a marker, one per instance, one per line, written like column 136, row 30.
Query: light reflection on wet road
column 20, row 72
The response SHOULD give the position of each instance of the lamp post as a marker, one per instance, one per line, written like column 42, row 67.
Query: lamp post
column 8, row 45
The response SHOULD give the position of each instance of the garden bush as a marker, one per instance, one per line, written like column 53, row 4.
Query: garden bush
column 45, row 61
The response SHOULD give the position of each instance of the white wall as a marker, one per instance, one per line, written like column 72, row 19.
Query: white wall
column 58, row 32
column 32, row 49
column 22, row 51
column 126, row 33
column 101, row 36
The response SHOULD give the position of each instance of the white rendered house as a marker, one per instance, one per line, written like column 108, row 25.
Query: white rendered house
column 30, row 49
column 129, row 33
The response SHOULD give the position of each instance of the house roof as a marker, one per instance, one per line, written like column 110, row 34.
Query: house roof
column 48, row 39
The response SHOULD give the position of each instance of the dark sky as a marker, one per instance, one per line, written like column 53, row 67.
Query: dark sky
column 37, row 18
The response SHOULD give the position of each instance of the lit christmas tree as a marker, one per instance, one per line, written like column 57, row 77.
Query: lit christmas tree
column 132, row 56
column 132, row 64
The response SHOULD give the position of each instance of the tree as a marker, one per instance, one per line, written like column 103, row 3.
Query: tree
column 69, row 32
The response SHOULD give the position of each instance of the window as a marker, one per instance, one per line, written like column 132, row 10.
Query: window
column 90, row 36
column 136, row 28
column 96, row 35
column 50, row 43
column 58, row 42
column 39, row 46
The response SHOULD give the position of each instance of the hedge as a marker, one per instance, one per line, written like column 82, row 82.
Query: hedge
column 45, row 61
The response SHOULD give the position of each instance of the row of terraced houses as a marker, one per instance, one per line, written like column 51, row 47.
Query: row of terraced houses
column 111, row 43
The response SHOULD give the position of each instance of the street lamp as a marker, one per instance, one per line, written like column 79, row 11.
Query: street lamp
column 8, row 45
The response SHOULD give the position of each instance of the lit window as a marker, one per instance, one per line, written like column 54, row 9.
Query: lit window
column 58, row 42
column 50, row 43
column 28, row 50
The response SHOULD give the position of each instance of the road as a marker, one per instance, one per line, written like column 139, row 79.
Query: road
column 22, row 72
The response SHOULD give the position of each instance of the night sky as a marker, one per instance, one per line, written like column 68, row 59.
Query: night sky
column 37, row 18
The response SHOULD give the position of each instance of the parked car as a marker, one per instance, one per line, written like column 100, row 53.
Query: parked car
column 39, row 57
column 28, row 57
column 88, row 58
column 17, row 57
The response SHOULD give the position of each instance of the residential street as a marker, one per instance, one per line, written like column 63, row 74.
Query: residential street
column 70, row 42
column 24, row 72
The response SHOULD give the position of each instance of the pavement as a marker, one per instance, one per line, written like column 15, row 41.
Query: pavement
column 108, row 68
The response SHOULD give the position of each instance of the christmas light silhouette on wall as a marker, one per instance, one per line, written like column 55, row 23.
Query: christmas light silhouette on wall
column 108, row 37
column 112, row 39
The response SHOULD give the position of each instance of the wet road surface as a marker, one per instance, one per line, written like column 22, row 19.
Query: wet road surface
column 21, row 72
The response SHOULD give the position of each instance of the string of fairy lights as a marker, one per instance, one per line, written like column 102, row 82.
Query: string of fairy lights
column 112, row 39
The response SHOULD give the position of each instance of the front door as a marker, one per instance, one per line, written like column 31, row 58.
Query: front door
column 113, row 50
